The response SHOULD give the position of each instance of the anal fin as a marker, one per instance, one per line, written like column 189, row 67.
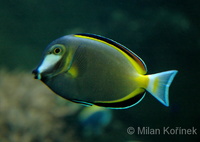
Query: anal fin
column 123, row 104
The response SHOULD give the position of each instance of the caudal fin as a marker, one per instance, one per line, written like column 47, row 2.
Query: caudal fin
column 159, row 85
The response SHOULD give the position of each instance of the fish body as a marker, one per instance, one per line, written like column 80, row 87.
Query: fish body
column 94, row 70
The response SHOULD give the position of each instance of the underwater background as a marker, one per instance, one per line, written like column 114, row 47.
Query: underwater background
column 165, row 34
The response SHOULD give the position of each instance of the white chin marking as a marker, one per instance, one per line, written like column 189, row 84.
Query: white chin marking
column 48, row 62
column 39, row 77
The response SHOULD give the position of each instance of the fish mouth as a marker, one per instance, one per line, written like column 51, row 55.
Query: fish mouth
column 37, row 74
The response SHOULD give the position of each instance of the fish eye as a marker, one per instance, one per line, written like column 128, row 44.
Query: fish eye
column 57, row 50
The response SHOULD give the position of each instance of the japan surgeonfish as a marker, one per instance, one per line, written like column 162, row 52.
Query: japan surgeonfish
column 94, row 70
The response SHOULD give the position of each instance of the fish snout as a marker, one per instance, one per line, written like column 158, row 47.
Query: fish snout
column 37, row 74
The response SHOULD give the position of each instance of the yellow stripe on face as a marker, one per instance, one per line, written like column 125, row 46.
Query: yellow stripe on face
column 73, row 71
column 133, row 62
column 67, row 61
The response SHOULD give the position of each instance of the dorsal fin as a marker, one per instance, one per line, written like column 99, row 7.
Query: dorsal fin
column 135, row 57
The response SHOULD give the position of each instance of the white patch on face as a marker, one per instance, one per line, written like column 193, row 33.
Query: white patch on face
column 48, row 62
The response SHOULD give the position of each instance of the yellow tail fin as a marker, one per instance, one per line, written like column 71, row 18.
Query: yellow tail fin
column 159, row 85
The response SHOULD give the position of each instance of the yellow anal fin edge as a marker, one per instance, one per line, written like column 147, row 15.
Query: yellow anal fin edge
column 122, row 104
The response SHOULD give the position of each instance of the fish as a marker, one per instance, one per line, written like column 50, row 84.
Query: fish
column 93, row 120
column 94, row 70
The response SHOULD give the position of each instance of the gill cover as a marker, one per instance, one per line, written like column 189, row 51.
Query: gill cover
column 52, row 60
